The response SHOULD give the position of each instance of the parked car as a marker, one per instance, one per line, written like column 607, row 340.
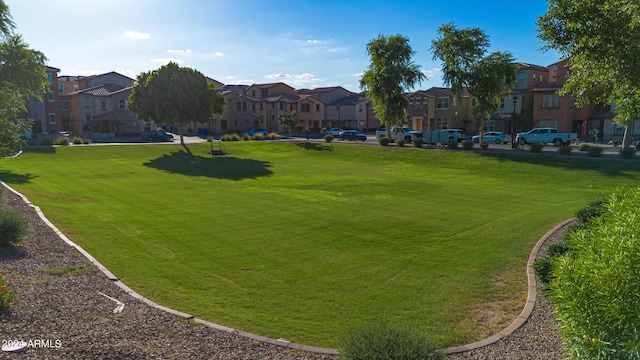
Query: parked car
column 254, row 131
column 492, row 137
column 333, row 131
column 159, row 135
column 546, row 135
column 352, row 135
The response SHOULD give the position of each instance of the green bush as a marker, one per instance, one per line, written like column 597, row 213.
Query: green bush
column 583, row 147
column 544, row 265
column 382, row 341
column 400, row 142
column 87, row 141
column 467, row 145
column 62, row 140
column 536, row 147
column 6, row 295
column 230, row 137
column 592, row 211
column 246, row 137
column 272, row 136
column 564, row 150
column 418, row 142
column 46, row 142
column 615, row 142
column 628, row 153
column 594, row 151
column 14, row 227
column 383, row 141
column 258, row 137
column 77, row 140
column 595, row 289
column 328, row 138
column 452, row 144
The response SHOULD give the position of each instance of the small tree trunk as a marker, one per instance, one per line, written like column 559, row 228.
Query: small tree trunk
column 626, row 139
column 182, row 141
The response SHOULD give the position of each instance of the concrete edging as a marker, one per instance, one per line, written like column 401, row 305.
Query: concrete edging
column 517, row 323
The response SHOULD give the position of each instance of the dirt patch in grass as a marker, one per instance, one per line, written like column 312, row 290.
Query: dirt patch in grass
column 508, row 297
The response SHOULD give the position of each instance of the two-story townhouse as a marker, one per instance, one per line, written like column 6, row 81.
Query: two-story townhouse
column 418, row 110
column 66, row 85
column 365, row 116
column 268, row 90
column 99, row 107
column 310, row 113
column 44, row 110
column 342, row 113
column 448, row 111
column 241, row 112
column 558, row 111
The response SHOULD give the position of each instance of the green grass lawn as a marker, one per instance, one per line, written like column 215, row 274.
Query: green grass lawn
column 302, row 241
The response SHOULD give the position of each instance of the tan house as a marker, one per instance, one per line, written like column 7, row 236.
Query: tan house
column 44, row 110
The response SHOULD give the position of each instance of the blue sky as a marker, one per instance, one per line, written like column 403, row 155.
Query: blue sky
column 306, row 44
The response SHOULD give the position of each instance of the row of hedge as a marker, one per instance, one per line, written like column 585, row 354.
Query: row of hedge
column 14, row 228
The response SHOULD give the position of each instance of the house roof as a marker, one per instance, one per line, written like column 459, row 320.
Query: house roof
column 348, row 100
column 288, row 98
column 101, row 90
column 522, row 65
column 52, row 69
column 108, row 73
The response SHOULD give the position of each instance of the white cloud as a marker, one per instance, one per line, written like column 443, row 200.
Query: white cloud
column 172, row 51
column 237, row 80
column 297, row 80
column 432, row 73
column 219, row 54
column 135, row 35
column 165, row 61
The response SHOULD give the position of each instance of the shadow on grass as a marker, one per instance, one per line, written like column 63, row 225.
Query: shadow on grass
column 12, row 178
column 314, row 146
column 40, row 149
column 216, row 167
column 607, row 164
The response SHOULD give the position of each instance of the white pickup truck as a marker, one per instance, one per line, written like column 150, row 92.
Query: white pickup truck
column 545, row 136
column 406, row 133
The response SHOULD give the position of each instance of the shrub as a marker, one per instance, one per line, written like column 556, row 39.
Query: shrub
column 628, row 153
column 400, row 142
column 62, row 140
column 77, row 140
column 6, row 295
column 328, row 138
column 564, row 150
column 87, row 141
column 583, row 147
column 592, row 211
column 14, row 227
column 615, row 142
column 230, row 137
column 272, row 136
column 383, row 141
column 594, row 151
column 544, row 265
column 209, row 139
column 418, row 142
column 246, row 137
column 382, row 341
column 536, row 148
column 467, row 145
column 258, row 137
column 595, row 290
column 452, row 144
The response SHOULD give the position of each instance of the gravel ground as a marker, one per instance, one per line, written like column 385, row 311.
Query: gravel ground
column 67, row 317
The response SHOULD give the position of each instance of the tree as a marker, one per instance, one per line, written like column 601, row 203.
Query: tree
column 22, row 74
column 466, row 65
column 390, row 73
column 174, row 96
column 599, row 39
column 288, row 121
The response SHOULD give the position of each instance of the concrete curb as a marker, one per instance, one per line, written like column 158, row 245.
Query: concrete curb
column 132, row 293
column 529, row 305
column 517, row 323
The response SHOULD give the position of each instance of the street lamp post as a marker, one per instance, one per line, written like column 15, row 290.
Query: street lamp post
column 513, row 121
column 338, row 107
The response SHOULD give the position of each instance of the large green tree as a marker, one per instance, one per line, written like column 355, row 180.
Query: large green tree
column 22, row 75
column 466, row 65
column 390, row 73
column 175, row 96
column 601, row 41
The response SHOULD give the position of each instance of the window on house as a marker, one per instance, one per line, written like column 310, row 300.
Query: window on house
column 305, row 108
column 455, row 101
column 281, row 106
column 265, row 93
column 253, row 93
column 521, row 76
column 238, row 106
column 50, row 96
column 244, row 106
column 88, row 118
column 50, row 78
column 360, row 108
column 253, row 107
column 410, row 101
column 87, row 102
column 489, row 125
column 122, row 104
column 261, row 107
column 52, row 118
column 317, row 107
column 425, row 100
column 64, row 105
column 60, row 88
column 618, row 130
column 550, row 101
column 442, row 124
column 502, row 103
column 443, row 103
column 549, row 124
column 103, row 104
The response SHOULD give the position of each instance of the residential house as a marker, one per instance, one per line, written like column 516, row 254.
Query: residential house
column 66, row 85
column 445, row 111
column 339, row 110
column 99, row 108
column 310, row 113
column 366, row 118
column 44, row 110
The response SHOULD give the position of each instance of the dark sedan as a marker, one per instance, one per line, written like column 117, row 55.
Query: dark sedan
column 352, row 135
